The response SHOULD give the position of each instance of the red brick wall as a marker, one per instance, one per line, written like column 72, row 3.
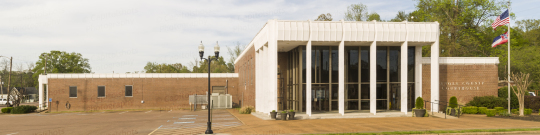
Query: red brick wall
column 245, row 67
column 463, row 81
column 172, row 93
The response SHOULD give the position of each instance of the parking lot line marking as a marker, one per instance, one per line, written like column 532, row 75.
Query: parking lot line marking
column 167, row 120
column 155, row 130
column 186, row 118
column 190, row 115
column 123, row 112
column 184, row 122
column 13, row 133
column 148, row 111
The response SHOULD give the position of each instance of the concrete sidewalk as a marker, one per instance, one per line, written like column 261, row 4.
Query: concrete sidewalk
column 254, row 125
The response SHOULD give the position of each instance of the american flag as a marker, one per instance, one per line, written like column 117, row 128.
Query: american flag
column 501, row 20
column 500, row 39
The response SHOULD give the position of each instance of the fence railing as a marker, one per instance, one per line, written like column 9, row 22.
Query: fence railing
column 219, row 101
column 445, row 104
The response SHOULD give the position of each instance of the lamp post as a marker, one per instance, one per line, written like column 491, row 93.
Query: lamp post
column 209, row 59
column 44, row 55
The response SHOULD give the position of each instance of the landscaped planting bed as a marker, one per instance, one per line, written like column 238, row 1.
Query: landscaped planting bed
column 533, row 117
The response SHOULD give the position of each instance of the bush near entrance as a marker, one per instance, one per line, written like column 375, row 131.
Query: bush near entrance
column 246, row 110
column 490, row 112
column 23, row 109
column 527, row 111
column 419, row 103
column 7, row 110
column 453, row 102
column 470, row 110
column 482, row 110
column 488, row 101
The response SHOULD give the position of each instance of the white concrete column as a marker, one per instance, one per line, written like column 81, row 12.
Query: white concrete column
column 341, row 80
column 435, row 74
column 373, row 73
column 257, row 76
column 418, row 71
column 341, row 72
column 403, row 69
column 40, row 85
column 308, row 73
column 273, row 61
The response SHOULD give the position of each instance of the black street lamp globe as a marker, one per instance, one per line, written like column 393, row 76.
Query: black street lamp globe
column 209, row 59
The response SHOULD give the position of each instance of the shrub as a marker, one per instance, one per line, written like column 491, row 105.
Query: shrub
column 7, row 110
column 498, row 110
column 23, row 109
column 246, row 110
column 419, row 103
column 482, row 110
column 453, row 102
column 531, row 102
column 527, row 111
column 291, row 110
column 504, row 114
column 490, row 112
column 470, row 110
column 273, row 110
column 515, row 111
column 488, row 101
column 503, row 93
column 283, row 111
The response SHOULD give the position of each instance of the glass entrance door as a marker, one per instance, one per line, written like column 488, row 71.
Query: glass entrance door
column 320, row 98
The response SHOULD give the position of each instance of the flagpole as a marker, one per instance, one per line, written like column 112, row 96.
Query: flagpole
column 508, row 88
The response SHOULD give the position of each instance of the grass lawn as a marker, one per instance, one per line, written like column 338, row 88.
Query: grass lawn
column 442, row 131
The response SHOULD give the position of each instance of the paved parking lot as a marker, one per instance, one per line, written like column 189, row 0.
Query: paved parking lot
column 115, row 123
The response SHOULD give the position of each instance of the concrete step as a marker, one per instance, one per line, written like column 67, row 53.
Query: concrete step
column 299, row 116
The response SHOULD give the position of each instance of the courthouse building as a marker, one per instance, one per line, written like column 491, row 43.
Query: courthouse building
column 308, row 66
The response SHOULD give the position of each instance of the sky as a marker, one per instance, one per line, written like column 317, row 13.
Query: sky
column 123, row 35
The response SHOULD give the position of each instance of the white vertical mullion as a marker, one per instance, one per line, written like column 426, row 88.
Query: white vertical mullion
column 373, row 73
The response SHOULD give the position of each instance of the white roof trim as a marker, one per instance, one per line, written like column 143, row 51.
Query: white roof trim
column 141, row 75
column 463, row 60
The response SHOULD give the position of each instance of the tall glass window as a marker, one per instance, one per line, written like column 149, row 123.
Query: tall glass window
column 381, row 63
column 351, row 63
column 325, row 77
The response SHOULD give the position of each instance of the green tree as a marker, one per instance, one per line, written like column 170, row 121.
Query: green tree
column 165, row 68
column 356, row 12
column 61, row 62
column 374, row 16
column 324, row 17
column 234, row 52
column 459, row 22
column 217, row 66
column 400, row 17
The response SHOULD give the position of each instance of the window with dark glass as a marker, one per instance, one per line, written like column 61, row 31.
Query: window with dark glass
column 381, row 63
column 73, row 91
column 352, row 63
column 394, row 58
column 325, row 65
column 129, row 91
column 101, row 91
column 335, row 65
column 365, row 64
column 410, row 63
